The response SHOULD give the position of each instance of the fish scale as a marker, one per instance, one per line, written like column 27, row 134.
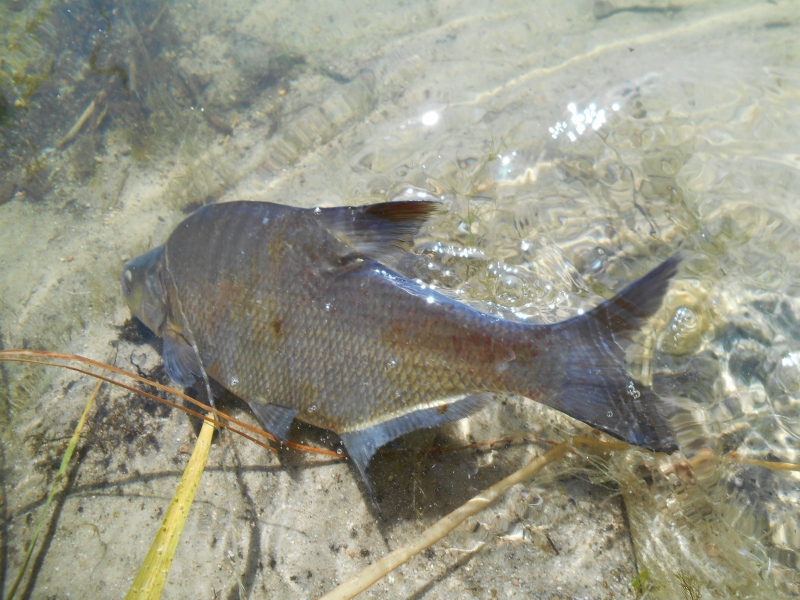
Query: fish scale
column 297, row 312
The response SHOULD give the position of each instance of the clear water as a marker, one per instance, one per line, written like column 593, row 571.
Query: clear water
column 575, row 145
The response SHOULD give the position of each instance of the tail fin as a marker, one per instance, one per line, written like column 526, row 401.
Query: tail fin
column 595, row 387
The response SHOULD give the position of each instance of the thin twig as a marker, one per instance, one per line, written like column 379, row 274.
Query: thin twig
column 81, row 120
column 11, row 355
column 121, row 185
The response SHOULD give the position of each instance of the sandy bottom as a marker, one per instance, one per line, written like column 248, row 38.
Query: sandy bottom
column 574, row 147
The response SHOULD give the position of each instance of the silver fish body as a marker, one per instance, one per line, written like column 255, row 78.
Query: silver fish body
column 295, row 311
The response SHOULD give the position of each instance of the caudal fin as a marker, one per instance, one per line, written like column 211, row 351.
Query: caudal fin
column 596, row 387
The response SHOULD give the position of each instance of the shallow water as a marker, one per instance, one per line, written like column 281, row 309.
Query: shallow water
column 574, row 146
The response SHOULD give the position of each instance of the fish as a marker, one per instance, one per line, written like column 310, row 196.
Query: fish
column 299, row 312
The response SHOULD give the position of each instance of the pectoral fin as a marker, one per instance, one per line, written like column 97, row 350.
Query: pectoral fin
column 277, row 420
column 362, row 444
column 180, row 360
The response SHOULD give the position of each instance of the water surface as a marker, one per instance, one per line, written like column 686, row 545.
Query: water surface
column 574, row 146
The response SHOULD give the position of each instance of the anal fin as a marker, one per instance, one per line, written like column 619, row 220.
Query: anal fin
column 277, row 420
column 362, row 444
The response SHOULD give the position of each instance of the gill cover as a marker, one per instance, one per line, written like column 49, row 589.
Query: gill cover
column 143, row 289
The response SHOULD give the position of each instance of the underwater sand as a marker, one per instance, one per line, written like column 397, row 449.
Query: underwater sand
column 575, row 146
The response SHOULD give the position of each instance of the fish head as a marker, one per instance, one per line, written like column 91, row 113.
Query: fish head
column 143, row 288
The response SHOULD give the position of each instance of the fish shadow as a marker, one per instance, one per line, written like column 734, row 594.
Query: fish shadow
column 424, row 474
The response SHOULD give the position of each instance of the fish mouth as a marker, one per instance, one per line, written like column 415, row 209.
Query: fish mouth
column 143, row 289
column 126, row 283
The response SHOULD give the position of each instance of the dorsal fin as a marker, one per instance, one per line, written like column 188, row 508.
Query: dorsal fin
column 377, row 230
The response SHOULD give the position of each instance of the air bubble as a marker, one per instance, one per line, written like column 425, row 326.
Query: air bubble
column 610, row 413
column 686, row 330
column 312, row 408
column 234, row 381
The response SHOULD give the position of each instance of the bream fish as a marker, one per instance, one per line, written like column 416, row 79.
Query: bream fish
column 296, row 311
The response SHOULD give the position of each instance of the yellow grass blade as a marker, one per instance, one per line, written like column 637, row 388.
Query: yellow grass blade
column 54, row 487
column 153, row 573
